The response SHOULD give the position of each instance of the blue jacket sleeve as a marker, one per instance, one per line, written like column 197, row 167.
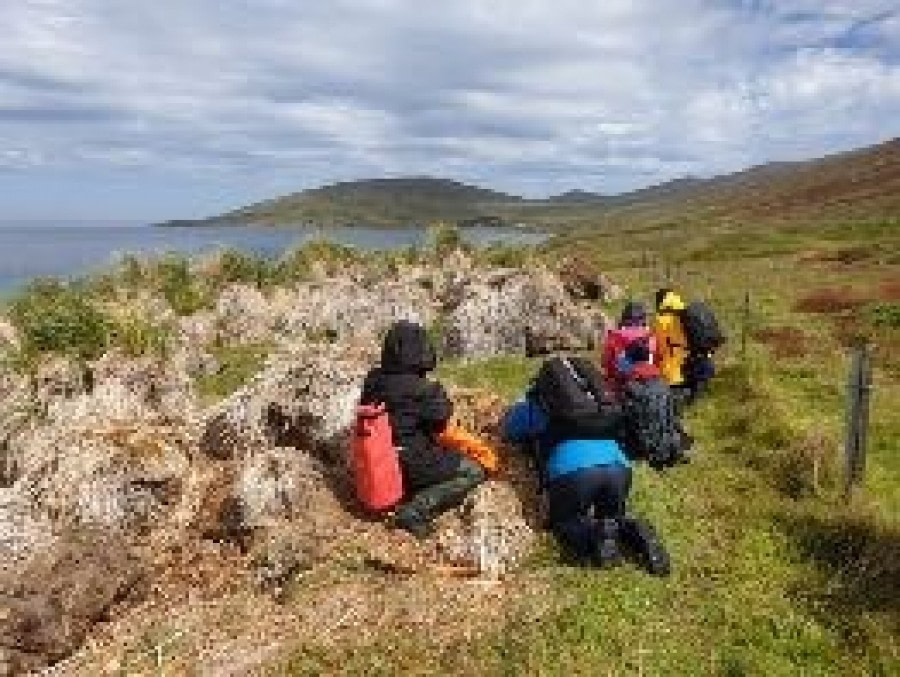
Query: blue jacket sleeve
column 523, row 420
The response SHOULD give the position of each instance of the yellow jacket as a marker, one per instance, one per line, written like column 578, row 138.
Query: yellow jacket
column 670, row 339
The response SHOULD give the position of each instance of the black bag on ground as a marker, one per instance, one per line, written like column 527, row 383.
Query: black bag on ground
column 701, row 328
column 652, row 429
column 568, row 387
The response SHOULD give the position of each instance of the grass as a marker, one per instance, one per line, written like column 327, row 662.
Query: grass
column 507, row 376
column 237, row 365
column 768, row 580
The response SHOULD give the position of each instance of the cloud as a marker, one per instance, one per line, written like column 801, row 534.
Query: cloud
column 531, row 96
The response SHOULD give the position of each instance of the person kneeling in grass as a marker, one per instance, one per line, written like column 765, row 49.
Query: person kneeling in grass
column 573, row 428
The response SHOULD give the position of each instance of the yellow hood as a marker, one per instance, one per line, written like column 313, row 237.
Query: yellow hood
column 672, row 301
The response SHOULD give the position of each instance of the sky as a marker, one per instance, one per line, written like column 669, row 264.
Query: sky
column 152, row 109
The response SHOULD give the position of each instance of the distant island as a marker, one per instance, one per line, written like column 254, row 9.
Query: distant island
column 864, row 181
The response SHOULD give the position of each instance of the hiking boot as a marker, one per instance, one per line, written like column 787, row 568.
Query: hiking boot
column 412, row 521
column 643, row 540
column 608, row 554
column 656, row 559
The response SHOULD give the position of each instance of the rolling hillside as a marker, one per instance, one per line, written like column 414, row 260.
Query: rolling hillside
column 377, row 202
column 863, row 183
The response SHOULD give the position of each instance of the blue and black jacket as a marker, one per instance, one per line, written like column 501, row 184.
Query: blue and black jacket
column 565, row 446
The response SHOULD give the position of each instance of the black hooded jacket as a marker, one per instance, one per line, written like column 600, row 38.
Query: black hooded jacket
column 418, row 409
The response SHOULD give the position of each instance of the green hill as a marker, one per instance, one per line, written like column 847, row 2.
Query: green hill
column 863, row 183
column 377, row 202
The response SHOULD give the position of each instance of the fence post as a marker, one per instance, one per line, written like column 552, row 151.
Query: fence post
column 745, row 324
column 859, row 389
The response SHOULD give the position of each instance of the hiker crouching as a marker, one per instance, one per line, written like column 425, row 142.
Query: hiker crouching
column 573, row 428
column 435, row 479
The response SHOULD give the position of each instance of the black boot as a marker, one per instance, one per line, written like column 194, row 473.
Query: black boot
column 608, row 554
column 416, row 515
column 411, row 519
column 644, row 541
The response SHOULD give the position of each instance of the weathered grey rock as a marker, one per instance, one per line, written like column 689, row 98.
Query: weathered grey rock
column 305, row 401
column 342, row 310
column 200, row 329
column 243, row 315
column 583, row 280
column 519, row 313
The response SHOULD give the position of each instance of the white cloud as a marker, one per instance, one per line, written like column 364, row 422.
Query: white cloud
column 532, row 95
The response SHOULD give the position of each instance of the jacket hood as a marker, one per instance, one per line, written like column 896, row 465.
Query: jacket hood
column 407, row 349
column 633, row 315
column 672, row 301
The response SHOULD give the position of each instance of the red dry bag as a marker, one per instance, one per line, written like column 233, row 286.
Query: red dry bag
column 376, row 465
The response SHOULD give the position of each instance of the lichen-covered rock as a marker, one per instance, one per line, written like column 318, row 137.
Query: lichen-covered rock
column 492, row 533
column 583, row 280
column 24, row 537
column 278, row 484
column 305, row 400
column 57, row 379
column 9, row 337
column 511, row 312
column 243, row 315
column 341, row 309
column 199, row 329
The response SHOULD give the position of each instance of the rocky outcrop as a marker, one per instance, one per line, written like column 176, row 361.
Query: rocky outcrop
column 243, row 315
column 584, row 280
column 514, row 312
column 121, row 447
column 303, row 400
column 341, row 309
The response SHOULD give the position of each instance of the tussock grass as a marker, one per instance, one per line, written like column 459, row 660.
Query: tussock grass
column 237, row 364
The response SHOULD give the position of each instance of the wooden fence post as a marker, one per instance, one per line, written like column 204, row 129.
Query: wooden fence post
column 859, row 389
column 745, row 324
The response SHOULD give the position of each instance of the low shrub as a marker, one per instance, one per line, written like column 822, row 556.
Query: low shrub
column 139, row 336
column 444, row 239
column 298, row 263
column 51, row 316
column 503, row 256
column 784, row 342
column 829, row 301
column 184, row 293
column 886, row 315
column 243, row 267
column 237, row 365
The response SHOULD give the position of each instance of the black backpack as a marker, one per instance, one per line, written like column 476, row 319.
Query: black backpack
column 652, row 430
column 701, row 328
column 568, row 388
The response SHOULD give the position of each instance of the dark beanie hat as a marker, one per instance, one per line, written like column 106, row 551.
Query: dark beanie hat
column 634, row 313
column 638, row 351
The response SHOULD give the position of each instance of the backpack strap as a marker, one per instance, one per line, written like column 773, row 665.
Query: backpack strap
column 583, row 382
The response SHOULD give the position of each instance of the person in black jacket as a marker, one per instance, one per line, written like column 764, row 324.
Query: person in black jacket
column 435, row 479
